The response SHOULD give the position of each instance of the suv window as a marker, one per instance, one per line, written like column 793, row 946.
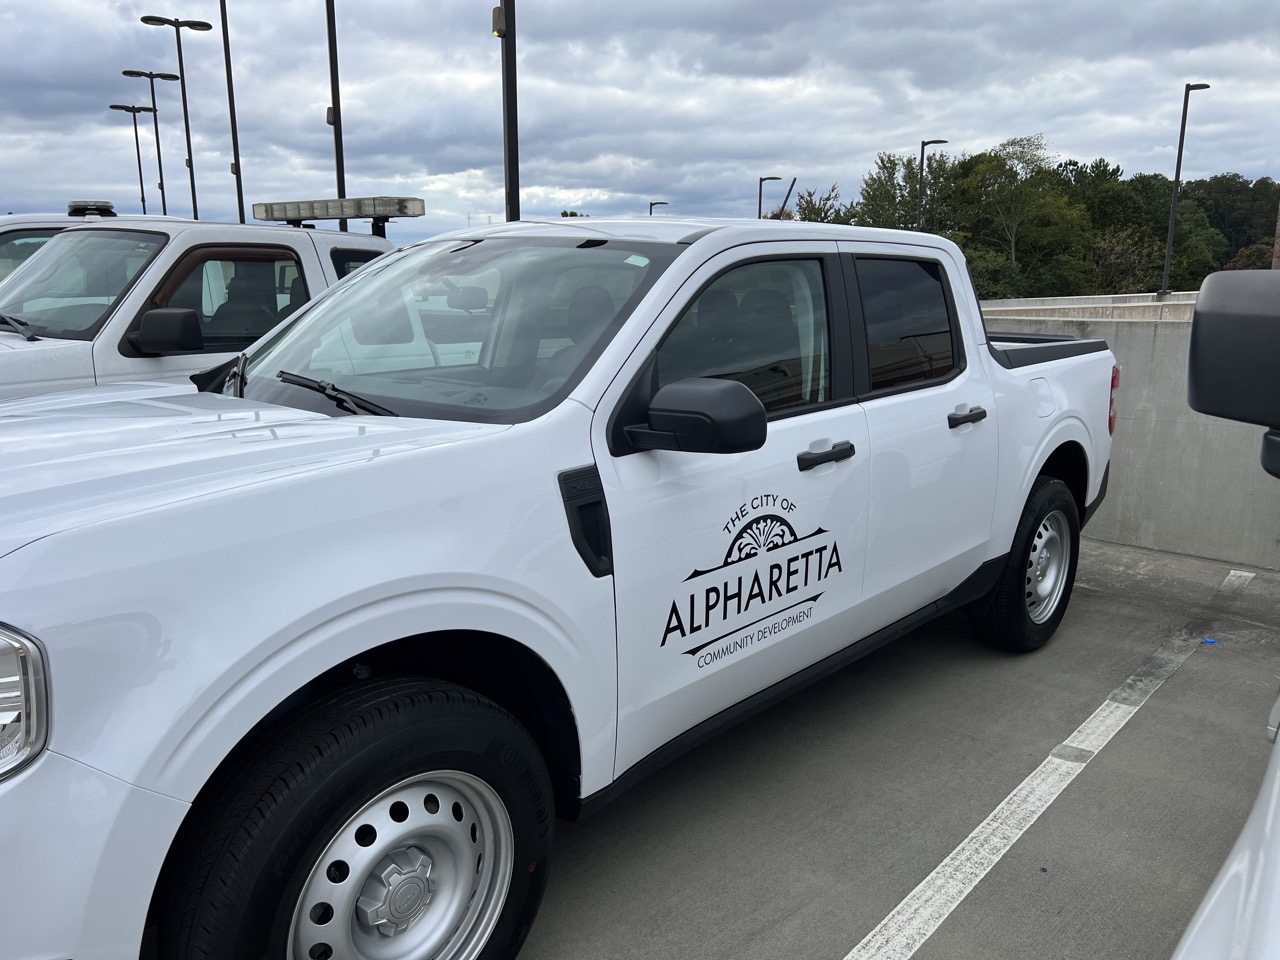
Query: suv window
column 762, row 324
column 237, row 295
column 907, row 321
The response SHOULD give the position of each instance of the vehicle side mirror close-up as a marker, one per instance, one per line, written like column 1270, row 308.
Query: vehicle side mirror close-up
column 168, row 330
column 703, row 415
column 1234, row 371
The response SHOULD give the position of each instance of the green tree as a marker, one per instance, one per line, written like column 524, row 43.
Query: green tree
column 886, row 200
column 1254, row 257
column 1125, row 260
column 826, row 208
column 1198, row 248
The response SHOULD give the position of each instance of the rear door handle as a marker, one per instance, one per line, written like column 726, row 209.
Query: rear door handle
column 838, row 451
column 960, row 419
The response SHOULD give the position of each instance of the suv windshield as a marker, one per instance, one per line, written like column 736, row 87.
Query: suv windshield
column 494, row 330
column 67, row 288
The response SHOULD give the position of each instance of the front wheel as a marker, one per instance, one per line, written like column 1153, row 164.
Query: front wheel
column 403, row 820
column 1031, row 596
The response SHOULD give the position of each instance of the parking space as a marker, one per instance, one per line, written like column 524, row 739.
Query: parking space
column 796, row 834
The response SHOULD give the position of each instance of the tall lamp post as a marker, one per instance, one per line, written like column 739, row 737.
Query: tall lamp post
column 920, row 183
column 155, row 123
column 760, row 196
column 231, row 107
column 335, row 111
column 656, row 203
column 504, row 28
column 1177, row 177
column 200, row 26
column 137, row 145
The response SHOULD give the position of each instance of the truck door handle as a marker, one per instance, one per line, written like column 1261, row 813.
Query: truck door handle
column 960, row 419
column 842, row 450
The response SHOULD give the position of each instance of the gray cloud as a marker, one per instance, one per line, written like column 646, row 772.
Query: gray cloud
column 625, row 103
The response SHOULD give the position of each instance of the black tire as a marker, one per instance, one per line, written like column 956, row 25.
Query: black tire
column 1024, row 612
column 423, row 767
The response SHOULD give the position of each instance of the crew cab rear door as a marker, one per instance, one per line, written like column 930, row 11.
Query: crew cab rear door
column 734, row 571
column 931, row 419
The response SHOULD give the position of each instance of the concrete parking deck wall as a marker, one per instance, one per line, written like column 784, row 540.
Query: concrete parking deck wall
column 1180, row 481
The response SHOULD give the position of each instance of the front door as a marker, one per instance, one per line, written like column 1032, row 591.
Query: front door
column 734, row 571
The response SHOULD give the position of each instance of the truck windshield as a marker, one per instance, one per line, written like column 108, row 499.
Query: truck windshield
column 67, row 288
column 492, row 330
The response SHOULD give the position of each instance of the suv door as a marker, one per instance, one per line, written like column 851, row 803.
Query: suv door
column 733, row 571
column 931, row 419
column 238, row 293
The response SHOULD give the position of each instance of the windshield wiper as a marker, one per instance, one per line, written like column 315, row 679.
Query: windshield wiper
column 343, row 398
column 18, row 326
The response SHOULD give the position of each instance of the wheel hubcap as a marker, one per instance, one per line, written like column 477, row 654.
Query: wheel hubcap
column 397, row 892
column 1048, row 562
column 420, row 871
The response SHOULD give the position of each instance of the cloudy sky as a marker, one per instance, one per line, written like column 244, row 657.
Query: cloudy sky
column 687, row 101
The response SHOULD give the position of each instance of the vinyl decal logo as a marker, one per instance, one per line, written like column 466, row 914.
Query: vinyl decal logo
column 770, row 577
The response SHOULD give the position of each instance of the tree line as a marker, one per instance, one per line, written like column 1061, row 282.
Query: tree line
column 1033, row 226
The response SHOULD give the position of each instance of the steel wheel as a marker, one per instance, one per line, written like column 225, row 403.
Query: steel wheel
column 1047, row 566
column 1030, row 598
column 420, row 871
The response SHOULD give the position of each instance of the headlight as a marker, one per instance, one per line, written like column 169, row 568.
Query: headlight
column 24, row 702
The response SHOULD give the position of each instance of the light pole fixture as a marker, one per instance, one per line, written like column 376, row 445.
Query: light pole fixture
column 231, row 107
column 920, row 183
column 504, row 28
column 656, row 203
column 760, row 196
column 1177, row 178
column 200, row 26
column 137, row 145
column 335, row 111
column 155, row 123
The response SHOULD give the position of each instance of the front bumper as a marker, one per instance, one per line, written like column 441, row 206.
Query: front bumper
column 79, row 855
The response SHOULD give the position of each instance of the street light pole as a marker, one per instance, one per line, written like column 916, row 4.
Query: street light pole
column 137, row 146
column 920, row 183
column 504, row 28
column 760, row 196
column 339, row 162
column 155, row 123
column 1177, row 177
column 231, row 106
column 200, row 26
column 656, row 203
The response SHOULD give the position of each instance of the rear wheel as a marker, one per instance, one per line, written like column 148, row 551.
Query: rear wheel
column 400, row 821
column 1031, row 596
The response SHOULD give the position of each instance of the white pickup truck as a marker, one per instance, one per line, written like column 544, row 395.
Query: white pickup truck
column 141, row 298
column 306, row 663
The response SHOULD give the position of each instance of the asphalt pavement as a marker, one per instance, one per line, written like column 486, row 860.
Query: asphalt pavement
column 805, row 830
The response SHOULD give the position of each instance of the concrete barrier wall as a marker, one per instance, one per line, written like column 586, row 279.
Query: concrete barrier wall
column 1180, row 481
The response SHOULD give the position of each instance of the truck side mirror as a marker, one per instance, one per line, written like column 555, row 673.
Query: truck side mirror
column 703, row 415
column 167, row 330
column 1234, row 370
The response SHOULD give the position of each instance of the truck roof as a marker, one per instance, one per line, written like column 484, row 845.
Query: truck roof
column 176, row 226
column 727, row 232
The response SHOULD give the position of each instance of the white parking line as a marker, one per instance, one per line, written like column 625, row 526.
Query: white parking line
column 914, row 920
